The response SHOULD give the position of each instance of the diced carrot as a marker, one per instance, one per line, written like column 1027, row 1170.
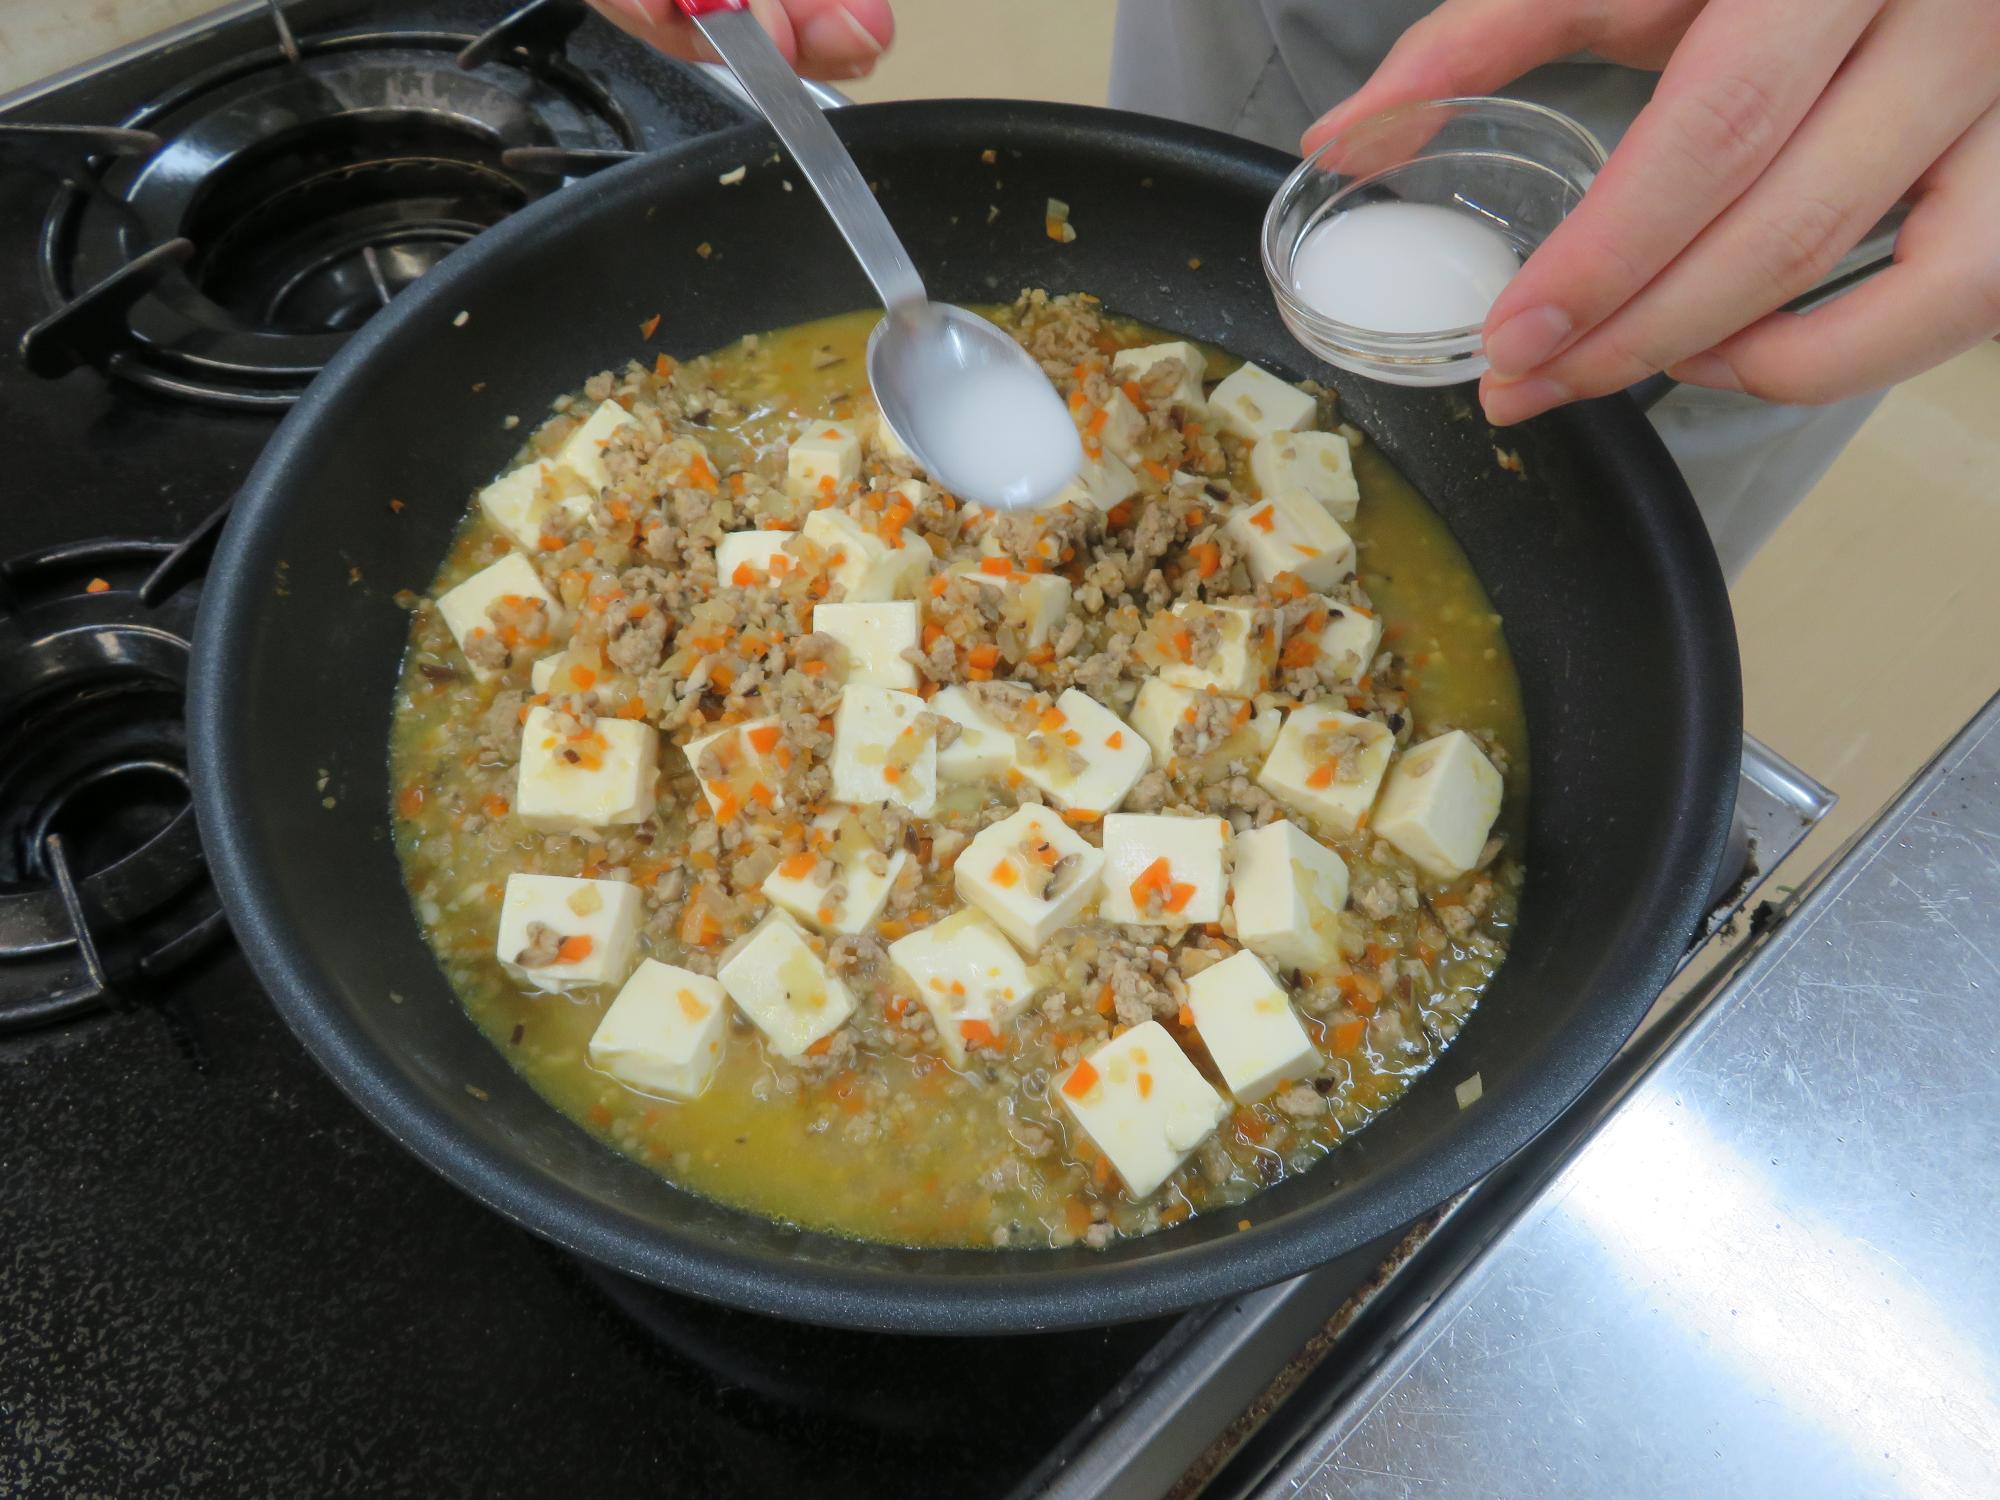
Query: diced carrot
column 892, row 774
column 1249, row 1126
column 1300, row 651
column 1105, row 1001
column 1321, row 775
column 979, row 1034
column 410, row 801
column 1263, row 519
column 1082, row 1079
column 1144, row 1083
column 1185, row 1020
column 1157, row 469
column 744, row 577
column 821, row 1047
column 574, row 950
column 1076, row 1215
column 983, row 656
column 799, row 865
column 812, row 668
column 999, row 567
column 1158, row 876
column 1183, row 644
column 1052, row 718
column 1178, row 896
column 1287, row 586
column 494, row 805
column 1347, row 1035
column 582, row 678
column 1119, row 515
column 1004, row 874
column 1207, row 558
column 723, row 677
column 1098, row 418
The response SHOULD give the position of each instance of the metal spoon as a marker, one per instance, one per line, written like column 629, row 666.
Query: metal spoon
column 968, row 402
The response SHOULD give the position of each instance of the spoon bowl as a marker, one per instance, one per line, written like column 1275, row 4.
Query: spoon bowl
column 972, row 406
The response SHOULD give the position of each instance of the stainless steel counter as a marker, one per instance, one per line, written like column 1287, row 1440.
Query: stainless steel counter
column 1775, row 1270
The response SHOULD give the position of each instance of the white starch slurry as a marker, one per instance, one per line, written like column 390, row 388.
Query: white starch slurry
column 1403, row 268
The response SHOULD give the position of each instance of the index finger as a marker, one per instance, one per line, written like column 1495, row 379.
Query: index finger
column 1742, row 78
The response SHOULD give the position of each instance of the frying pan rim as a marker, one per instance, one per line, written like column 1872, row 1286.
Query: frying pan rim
column 1171, row 1276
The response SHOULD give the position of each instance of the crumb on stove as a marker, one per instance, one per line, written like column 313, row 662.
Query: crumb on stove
column 733, row 176
column 704, row 250
column 462, row 319
column 1510, row 460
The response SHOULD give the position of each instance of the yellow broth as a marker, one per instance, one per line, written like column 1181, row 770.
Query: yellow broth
column 896, row 1145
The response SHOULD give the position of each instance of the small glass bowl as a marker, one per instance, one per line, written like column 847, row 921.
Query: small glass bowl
column 1520, row 167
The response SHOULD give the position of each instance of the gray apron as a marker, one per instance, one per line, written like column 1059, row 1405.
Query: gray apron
column 1266, row 69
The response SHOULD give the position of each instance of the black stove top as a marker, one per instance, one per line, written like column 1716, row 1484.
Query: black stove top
column 217, row 1278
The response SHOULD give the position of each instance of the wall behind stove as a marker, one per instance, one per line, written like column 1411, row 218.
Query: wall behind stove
column 40, row 37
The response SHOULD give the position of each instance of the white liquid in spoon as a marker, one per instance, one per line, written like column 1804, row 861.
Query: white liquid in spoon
column 979, row 414
column 1403, row 268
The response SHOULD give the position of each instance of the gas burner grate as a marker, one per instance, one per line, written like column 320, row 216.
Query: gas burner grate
column 102, row 882
column 296, row 188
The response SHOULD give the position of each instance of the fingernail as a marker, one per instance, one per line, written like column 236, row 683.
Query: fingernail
column 1526, row 340
column 1509, row 401
column 1710, row 370
column 835, row 33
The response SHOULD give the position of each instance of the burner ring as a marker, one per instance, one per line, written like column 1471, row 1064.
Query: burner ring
column 252, row 342
column 123, row 683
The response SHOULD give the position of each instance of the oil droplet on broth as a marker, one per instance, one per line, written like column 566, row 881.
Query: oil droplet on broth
column 1404, row 268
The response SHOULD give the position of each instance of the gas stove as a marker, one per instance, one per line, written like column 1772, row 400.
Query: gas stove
column 221, row 1278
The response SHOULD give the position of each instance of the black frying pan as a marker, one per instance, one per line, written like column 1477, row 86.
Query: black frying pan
column 1614, row 605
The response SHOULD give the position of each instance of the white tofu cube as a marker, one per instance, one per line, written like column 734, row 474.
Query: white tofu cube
column 1035, row 604
column 1163, row 871
column 750, row 559
column 582, row 451
column 1316, row 465
column 779, row 982
column 1253, row 403
column 883, row 750
column 867, row 568
column 968, row 976
column 840, row 858
column 664, row 1033
column 1162, row 710
column 1252, row 1034
column 557, row 933
column 1102, row 482
column 738, row 765
column 1030, row 873
column 1291, row 534
column 824, row 459
column 463, row 608
column 875, row 637
column 1289, row 892
column 542, row 673
column 601, row 777
column 1138, row 364
column 893, row 447
column 1143, row 1104
column 1083, row 755
column 517, row 504
column 1439, row 803
column 1113, row 429
column 983, row 748
column 1230, row 653
column 1328, row 764
column 1349, row 640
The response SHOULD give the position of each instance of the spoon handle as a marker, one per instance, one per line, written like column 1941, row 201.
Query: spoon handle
column 776, row 91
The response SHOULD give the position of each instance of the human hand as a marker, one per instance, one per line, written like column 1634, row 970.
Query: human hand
column 830, row 39
column 1780, row 131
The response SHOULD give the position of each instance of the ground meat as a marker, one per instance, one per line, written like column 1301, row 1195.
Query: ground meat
column 541, row 951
